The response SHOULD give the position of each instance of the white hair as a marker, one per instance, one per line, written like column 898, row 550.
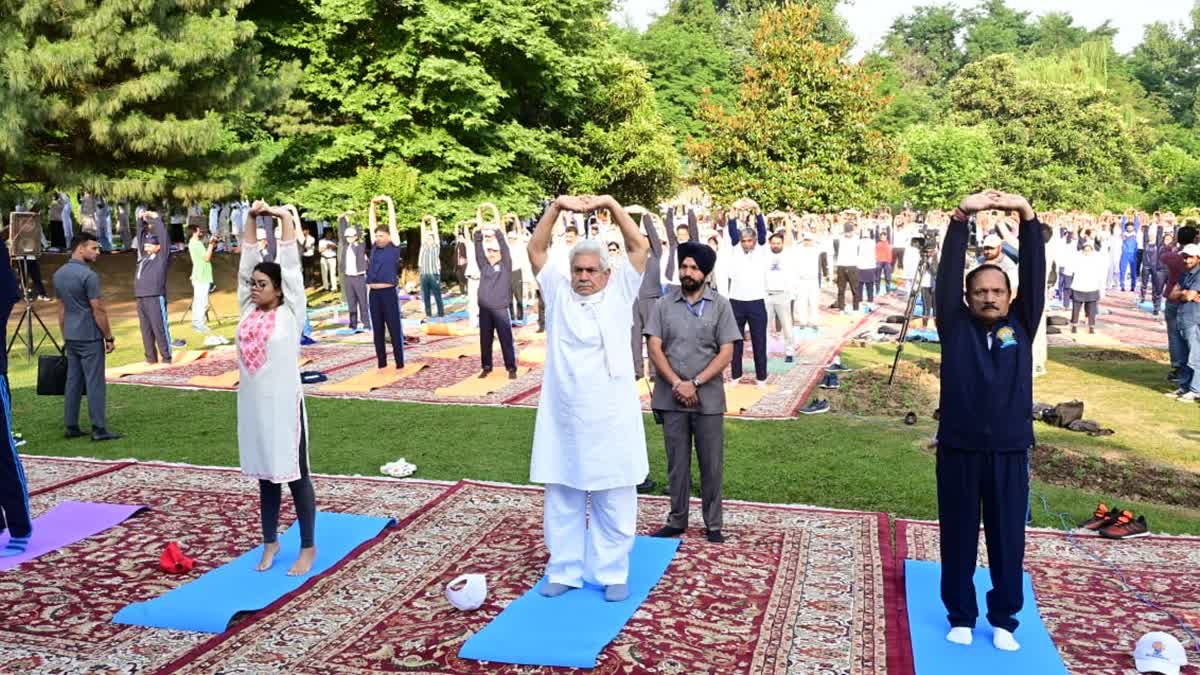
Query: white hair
column 591, row 247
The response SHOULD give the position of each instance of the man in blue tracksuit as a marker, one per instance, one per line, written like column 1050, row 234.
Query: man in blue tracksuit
column 986, row 428
column 150, row 287
column 1129, row 251
column 14, row 491
column 1153, row 273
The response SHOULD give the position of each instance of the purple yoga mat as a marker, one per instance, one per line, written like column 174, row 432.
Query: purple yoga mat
column 65, row 524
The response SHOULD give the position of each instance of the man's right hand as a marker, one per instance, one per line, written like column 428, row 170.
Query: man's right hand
column 980, row 201
column 110, row 346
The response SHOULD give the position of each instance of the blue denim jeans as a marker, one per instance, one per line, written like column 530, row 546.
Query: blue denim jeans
column 1175, row 343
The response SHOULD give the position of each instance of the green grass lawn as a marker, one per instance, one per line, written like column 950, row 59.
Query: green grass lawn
column 834, row 460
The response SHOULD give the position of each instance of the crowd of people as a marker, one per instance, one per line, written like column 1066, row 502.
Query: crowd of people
column 686, row 286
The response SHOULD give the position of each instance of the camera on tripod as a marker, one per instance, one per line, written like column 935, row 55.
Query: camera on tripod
column 926, row 238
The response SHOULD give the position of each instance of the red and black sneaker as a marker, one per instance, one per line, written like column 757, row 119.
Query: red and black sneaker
column 1103, row 517
column 1126, row 527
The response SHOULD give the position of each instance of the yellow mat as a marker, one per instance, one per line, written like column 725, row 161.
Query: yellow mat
column 743, row 397
column 532, row 355
column 226, row 380
column 476, row 386
column 141, row 367
column 372, row 379
column 229, row 378
column 451, row 329
column 458, row 352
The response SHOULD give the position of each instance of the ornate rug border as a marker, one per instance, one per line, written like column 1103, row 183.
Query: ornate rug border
column 216, row 640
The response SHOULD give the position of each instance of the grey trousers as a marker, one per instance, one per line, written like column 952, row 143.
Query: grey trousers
column 356, row 299
column 85, row 363
column 641, row 314
column 679, row 429
column 156, row 331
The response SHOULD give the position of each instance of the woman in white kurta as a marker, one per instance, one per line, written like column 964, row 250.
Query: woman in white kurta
column 589, row 439
column 272, row 423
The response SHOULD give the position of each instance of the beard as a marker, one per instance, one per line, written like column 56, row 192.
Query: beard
column 689, row 284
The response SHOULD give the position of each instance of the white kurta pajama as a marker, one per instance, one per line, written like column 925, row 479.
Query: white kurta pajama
column 589, row 438
column 270, row 401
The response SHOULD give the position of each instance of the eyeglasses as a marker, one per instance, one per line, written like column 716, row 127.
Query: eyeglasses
column 258, row 284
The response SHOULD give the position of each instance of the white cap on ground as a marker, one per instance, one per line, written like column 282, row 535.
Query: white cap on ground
column 467, row 592
column 1159, row 653
column 1192, row 250
column 992, row 241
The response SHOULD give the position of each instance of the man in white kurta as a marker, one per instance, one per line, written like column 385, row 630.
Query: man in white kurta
column 589, row 439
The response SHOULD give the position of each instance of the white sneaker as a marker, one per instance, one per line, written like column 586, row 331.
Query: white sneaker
column 1004, row 641
column 960, row 635
column 1176, row 394
column 1188, row 397
column 762, row 384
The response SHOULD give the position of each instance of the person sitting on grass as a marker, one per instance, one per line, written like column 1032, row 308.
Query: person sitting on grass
column 272, row 419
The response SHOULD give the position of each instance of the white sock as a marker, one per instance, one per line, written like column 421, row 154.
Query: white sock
column 960, row 635
column 1004, row 640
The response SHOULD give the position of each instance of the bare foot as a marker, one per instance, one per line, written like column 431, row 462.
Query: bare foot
column 268, row 556
column 304, row 563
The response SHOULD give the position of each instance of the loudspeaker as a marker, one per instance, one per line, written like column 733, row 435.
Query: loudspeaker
column 25, row 233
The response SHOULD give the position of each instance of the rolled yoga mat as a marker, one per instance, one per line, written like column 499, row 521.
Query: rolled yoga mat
column 207, row 604
column 65, row 524
column 933, row 654
column 572, row 629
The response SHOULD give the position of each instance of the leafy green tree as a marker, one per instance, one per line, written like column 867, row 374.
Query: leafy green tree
column 945, row 163
column 1167, row 63
column 996, row 28
column 925, row 43
column 1060, row 145
column 479, row 99
column 129, row 99
column 684, row 52
column 800, row 131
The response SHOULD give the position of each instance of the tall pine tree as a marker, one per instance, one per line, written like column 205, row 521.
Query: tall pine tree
column 128, row 99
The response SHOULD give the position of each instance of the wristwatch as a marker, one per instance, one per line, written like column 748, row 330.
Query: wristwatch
column 110, row 339
column 696, row 382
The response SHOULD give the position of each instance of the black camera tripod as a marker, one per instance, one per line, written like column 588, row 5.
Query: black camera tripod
column 24, row 330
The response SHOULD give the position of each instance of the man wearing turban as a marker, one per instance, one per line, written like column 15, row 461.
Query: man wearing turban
column 690, row 337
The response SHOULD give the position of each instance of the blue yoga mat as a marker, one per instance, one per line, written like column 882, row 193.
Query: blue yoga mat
column 207, row 604
column 573, row 628
column 934, row 655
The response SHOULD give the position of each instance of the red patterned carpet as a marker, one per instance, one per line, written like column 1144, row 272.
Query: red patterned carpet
column 47, row 473
column 1093, row 621
column 794, row 591
column 1122, row 323
column 56, row 610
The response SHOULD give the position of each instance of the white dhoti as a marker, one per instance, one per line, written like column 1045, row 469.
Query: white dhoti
column 597, row 553
column 589, row 443
column 473, row 301
column 808, row 302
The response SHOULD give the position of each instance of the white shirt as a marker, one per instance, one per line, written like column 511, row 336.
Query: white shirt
column 866, row 254
column 779, row 271
column 351, row 266
column 805, row 264
column 1091, row 272
column 747, row 271
column 589, row 433
column 847, row 251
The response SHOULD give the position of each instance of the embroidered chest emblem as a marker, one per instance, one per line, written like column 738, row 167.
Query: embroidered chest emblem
column 1007, row 337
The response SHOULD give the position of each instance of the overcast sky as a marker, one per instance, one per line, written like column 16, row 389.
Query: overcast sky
column 870, row 19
